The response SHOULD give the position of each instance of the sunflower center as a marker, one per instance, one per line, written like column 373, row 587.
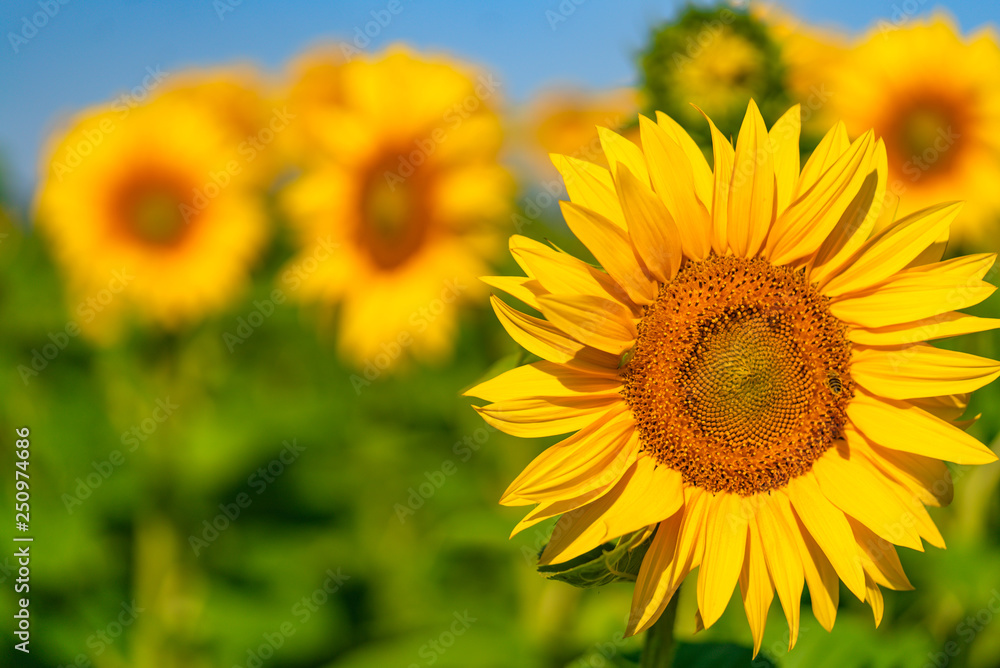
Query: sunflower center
column 393, row 217
column 921, row 128
column 157, row 217
column 151, row 209
column 925, row 136
column 740, row 376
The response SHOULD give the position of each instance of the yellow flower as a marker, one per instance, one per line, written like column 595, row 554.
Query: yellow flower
column 935, row 98
column 811, row 54
column 399, row 199
column 565, row 122
column 149, row 210
column 235, row 96
column 748, row 377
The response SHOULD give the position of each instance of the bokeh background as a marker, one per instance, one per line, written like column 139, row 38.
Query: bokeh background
column 265, row 473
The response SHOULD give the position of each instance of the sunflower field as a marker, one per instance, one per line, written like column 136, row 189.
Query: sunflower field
column 423, row 336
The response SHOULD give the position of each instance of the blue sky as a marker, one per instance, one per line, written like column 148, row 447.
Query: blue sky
column 88, row 51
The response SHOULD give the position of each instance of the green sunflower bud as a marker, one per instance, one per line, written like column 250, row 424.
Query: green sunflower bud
column 717, row 58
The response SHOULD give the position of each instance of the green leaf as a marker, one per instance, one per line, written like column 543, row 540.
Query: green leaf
column 718, row 655
column 617, row 561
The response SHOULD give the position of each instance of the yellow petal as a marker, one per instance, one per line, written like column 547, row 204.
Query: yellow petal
column 561, row 273
column 613, row 249
column 590, row 186
column 697, row 503
column 937, row 327
column 533, row 418
column 824, row 585
column 673, row 180
column 916, row 514
column 827, row 152
column 783, row 561
column 909, row 372
column 856, row 223
column 893, row 249
column 751, row 192
column 545, row 340
column 784, row 138
column 544, row 379
column 601, row 323
column 549, row 509
column 890, row 207
column 933, row 253
column 653, row 589
column 723, row 156
column 969, row 267
column 650, row 226
column 859, row 494
column 809, row 220
column 874, row 597
column 918, row 293
column 571, row 505
column 829, row 528
column 899, row 425
column 519, row 287
column 879, row 558
column 928, row 479
column 725, row 545
column 699, row 166
column 665, row 582
column 593, row 458
column 755, row 587
column 948, row 407
column 646, row 495
column 621, row 150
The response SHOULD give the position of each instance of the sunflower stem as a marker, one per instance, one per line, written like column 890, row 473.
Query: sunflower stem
column 658, row 651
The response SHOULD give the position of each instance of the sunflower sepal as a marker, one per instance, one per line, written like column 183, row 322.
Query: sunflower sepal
column 615, row 561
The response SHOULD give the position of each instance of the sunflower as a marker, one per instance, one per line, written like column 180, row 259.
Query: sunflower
column 748, row 379
column 150, row 212
column 716, row 58
column 399, row 198
column 934, row 97
column 239, row 99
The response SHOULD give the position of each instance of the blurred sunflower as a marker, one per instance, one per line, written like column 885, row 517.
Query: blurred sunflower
column 716, row 58
column 398, row 202
column 810, row 54
column 237, row 97
column 150, row 211
column 566, row 121
column 935, row 98
column 748, row 379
